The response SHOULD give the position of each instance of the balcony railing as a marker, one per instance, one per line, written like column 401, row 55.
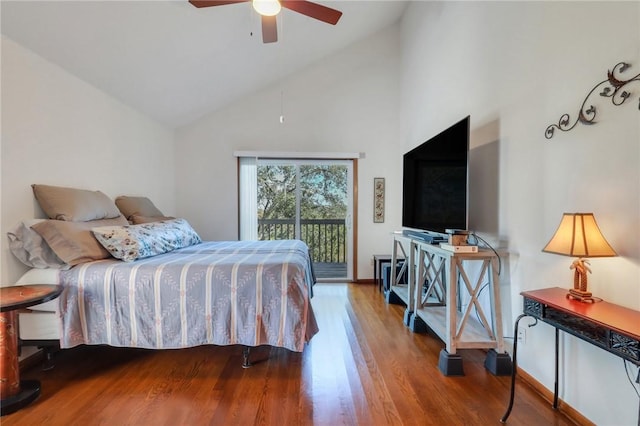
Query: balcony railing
column 326, row 238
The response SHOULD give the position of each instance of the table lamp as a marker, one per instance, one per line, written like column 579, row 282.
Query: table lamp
column 578, row 235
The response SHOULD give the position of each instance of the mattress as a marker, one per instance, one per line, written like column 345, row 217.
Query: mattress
column 38, row 325
column 219, row 293
column 39, row 322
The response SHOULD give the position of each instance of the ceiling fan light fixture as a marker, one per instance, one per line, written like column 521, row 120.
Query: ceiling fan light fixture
column 267, row 7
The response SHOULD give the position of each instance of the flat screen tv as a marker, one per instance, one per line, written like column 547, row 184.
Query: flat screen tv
column 435, row 182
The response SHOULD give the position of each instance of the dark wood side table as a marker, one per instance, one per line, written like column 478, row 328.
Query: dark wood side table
column 17, row 393
column 378, row 261
column 611, row 327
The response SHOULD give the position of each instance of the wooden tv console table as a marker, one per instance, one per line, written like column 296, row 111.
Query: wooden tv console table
column 611, row 327
column 436, row 278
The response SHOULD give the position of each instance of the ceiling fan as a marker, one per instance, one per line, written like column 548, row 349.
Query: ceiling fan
column 268, row 9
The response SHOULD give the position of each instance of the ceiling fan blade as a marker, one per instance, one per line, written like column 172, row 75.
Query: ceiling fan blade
column 209, row 3
column 313, row 10
column 269, row 29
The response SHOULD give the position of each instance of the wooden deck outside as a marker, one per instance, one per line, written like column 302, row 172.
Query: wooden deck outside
column 330, row 270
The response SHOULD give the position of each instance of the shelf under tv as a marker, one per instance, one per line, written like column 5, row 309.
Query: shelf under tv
column 437, row 277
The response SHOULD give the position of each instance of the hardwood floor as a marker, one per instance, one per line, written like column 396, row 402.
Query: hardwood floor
column 363, row 368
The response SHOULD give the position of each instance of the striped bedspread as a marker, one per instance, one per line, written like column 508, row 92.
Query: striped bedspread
column 221, row 293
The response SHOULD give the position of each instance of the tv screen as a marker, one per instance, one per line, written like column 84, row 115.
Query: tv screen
column 435, row 182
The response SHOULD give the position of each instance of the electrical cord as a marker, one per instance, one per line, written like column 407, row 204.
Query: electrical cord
column 478, row 297
column 626, row 369
column 490, row 247
column 463, row 307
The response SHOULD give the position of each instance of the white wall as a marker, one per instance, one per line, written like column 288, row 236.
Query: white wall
column 516, row 67
column 346, row 103
column 58, row 130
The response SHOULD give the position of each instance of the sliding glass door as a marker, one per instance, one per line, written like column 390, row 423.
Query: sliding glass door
column 310, row 200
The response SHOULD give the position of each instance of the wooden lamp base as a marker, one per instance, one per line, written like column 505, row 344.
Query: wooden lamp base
column 581, row 295
column 579, row 291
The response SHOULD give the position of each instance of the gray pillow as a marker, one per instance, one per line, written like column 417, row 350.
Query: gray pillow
column 31, row 249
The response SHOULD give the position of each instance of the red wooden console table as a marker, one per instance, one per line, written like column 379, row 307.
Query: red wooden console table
column 611, row 327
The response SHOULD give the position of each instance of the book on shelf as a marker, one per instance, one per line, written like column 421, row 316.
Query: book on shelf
column 460, row 248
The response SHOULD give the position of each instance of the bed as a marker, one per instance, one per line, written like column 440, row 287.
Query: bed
column 161, row 287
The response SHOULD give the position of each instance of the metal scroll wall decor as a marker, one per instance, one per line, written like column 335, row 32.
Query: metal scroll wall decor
column 615, row 87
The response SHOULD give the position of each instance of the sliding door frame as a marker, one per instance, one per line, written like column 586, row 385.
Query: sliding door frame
column 353, row 249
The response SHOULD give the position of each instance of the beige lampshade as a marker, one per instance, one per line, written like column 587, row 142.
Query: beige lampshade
column 579, row 236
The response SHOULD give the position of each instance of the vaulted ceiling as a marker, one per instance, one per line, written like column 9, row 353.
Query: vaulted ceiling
column 174, row 62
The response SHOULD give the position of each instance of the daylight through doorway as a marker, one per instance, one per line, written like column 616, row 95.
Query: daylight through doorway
column 310, row 200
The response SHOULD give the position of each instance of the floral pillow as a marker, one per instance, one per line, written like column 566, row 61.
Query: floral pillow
column 132, row 242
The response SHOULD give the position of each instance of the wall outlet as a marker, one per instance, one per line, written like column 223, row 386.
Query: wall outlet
column 522, row 335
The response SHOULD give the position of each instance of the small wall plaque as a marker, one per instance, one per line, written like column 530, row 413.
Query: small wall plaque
column 378, row 200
